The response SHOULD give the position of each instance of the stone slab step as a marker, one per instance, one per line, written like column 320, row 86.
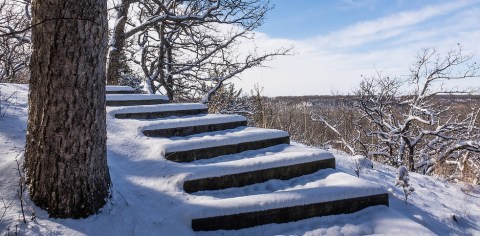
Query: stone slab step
column 375, row 220
column 159, row 111
column 135, row 99
column 337, row 193
column 223, row 143
column 290, row 162
column 114, row 89
column 194, row 125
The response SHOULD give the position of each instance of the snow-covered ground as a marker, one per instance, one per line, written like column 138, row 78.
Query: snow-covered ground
column 148, row 199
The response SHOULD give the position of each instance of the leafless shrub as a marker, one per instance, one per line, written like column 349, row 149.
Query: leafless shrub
column 228, row 100
column 359, row 163
column 19, row 195
column 21, row 189
column 403, row 181
column 429, row 128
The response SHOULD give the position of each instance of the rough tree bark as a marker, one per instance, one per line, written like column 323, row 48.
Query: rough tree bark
column 65, row 153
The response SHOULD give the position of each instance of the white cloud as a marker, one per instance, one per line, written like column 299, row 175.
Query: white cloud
column 334, row 62
column 386, row 27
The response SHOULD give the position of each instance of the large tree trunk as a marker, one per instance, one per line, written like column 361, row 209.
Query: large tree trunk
column 117, row 43
column 66, row 159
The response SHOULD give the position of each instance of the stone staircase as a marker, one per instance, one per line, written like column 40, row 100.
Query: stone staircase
column 250, row 176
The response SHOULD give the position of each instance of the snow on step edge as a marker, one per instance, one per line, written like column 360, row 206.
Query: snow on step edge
column 156, row 108
column 291, row 155
column 336, row 186
column 198, row 120
column 223, row 138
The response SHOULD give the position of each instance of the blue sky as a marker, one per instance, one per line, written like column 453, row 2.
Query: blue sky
column 337, row 41
column 297, row 19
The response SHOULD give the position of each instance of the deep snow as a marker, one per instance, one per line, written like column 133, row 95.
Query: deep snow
column 147, row 198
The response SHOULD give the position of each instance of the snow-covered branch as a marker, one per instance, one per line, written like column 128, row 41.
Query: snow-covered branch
column 14, row 41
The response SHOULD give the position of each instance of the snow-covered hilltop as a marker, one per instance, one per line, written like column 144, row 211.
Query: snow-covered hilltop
column 148, row 199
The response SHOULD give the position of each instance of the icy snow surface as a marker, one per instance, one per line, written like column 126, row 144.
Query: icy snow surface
column 206, row 119
column 148, row 198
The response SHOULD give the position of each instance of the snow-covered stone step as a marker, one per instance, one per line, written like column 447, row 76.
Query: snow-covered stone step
column 291, row 162
column 135, row 99
column 337, row 193
column 114, row 89
column 159, row 111
column 194, row 125
column 223, row 143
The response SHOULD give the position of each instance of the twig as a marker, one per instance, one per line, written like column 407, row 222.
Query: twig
column 121, row 195
column 5, row 208
column 21, row 189
column 357, row 168
column 8, row 103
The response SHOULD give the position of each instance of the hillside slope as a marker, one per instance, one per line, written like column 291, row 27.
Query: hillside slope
column 147, row 200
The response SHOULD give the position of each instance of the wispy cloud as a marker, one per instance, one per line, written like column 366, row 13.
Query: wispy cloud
column 386, row 27
column 334, row 62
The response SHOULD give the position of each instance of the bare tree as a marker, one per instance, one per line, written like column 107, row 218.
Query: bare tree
column 418, row 122
column 14, row 46
column 188, row 50
column 65, row 155
column 377, row 101
column 454, row 144
column 430, row 117
column 148, row 14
